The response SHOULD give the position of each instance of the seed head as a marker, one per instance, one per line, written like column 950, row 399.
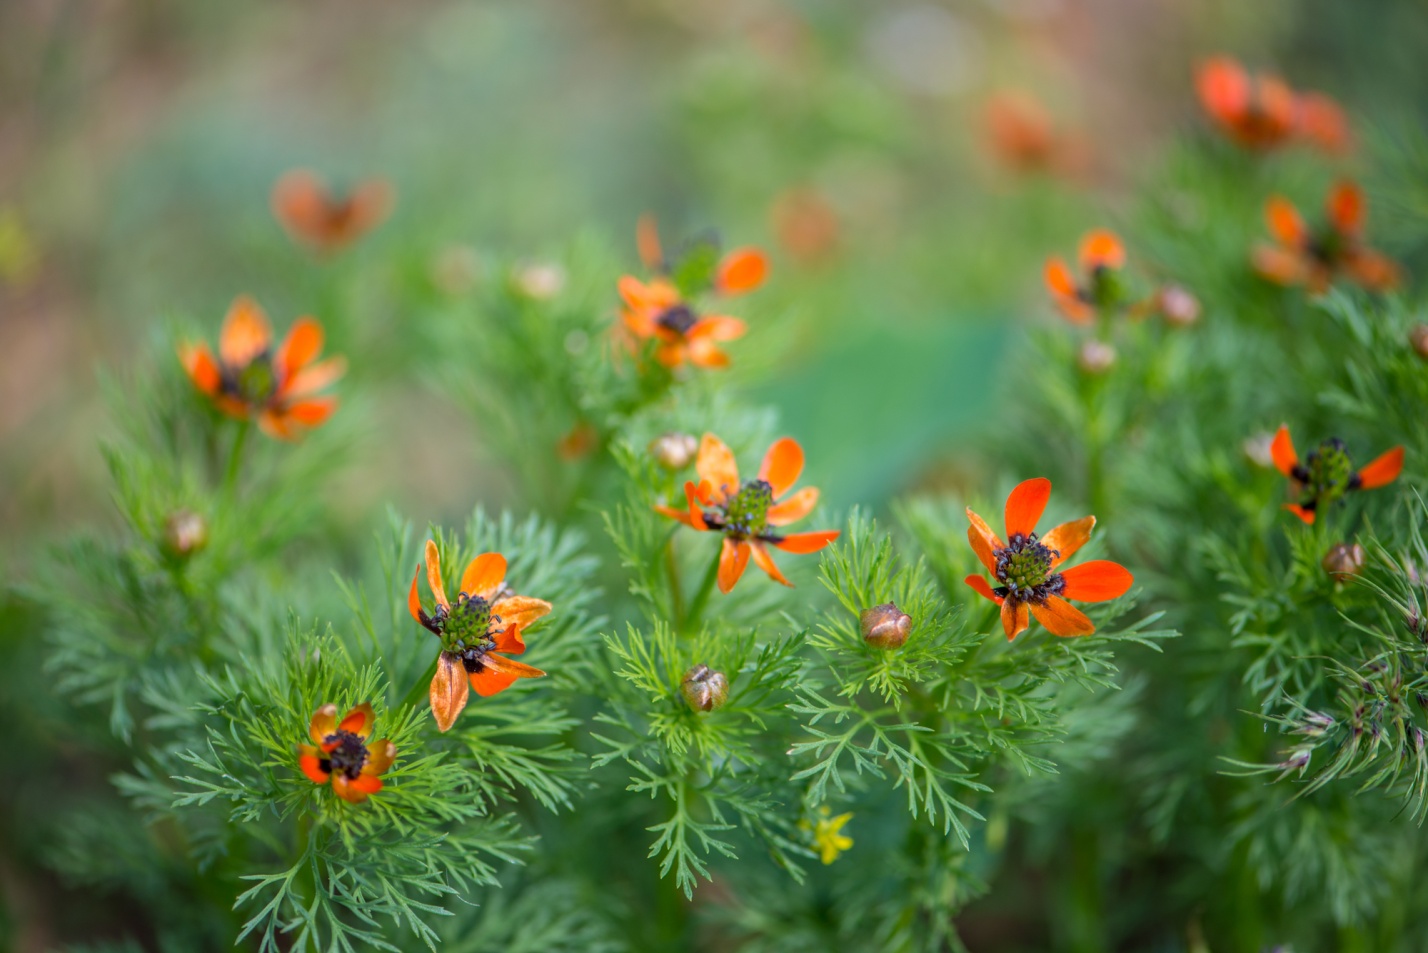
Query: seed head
column 885, row 626
column 704, row 688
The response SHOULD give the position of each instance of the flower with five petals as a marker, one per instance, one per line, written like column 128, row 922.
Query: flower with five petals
column 341, row 754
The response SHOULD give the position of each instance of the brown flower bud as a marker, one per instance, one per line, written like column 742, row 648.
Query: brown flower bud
column 1096, row 357
column 885, row 626
column 185, row 533
column 674, row 451
column 704, row 689
column 1344, row 560
column 1179, row 307
column 1418, row 337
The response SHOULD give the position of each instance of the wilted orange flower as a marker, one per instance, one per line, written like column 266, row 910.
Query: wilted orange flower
column 314, row 216
column 343, row 754
column 248, row 379
column 748, row 512
column 1026, row 566
column 477, row 633
column 1327, row 473
column 1256, row 111
column 1101, row 255
column 1312, row 258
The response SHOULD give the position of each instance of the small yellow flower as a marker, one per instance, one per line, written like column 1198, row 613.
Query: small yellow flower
column 826, row 836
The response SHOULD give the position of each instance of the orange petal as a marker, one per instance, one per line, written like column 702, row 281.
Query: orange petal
column 782, row 465
column 1323, row 123
column 276, row 424
column 984, row 542
column 414, row 597
column 520, row 610
column 647, row 241
column 732, row 559
column 509, row 640
column 983, row 588
column 717, row 327
column 1096, row 581
column 1285, row 223
column 484, row 575
column 324, row 723
column 380, row 755
column 488, row 682
column 369, row 203
column 1279, row 265
column 1224, row 88
column 1062, row 618
column 743, row 269
column 1015, row 618
column 1101, row 248
column 703, row 352
column 312, row 413
column 1346, row 208
column 246, row 333
column 511, row 667
column 310, row 762
column 1059, row 280
column 433, row 574
column 766, row 563
column 202, row 369
column 794, row 508
column 716, row 465
column 1025, row 505
column 1075, row 310
column 346, row 790
column 804, row 543
column 1375, row 271
column 1382, row 471
column 1306, row 515
column 449, row 691
column 299, row 349
column 1281, row 451
column 358, row 720
column 1067, row 538
column 314, row 378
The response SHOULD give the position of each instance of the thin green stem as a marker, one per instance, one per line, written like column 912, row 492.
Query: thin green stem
column 701, row 599
column 676, row 596
column 235, row 458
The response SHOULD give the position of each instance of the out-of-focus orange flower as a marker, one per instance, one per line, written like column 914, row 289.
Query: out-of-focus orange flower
column 1100, row 256
column 806, row 224
column 1312, row 258
column 477, row 632
column 1256, row 111
column 1026, row 567
column 1022, row 137
column 248, row 379
column 750, row 512
column 1327, row 473
column 343, row 755
column 314, row 216
column 578, row 442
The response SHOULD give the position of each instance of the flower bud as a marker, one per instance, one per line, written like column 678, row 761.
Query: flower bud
column 1343, row 560
column 185, row 533
column 1257, row 448
column 1096, row 357
column 1178, row 306
column 674, row 451
column 541, row 280
column 704, row 689
column 1418, row 337
column 885, row 626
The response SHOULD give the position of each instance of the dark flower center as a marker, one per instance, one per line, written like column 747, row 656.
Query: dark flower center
column 252, row 383
column 467, row 627
column 1326, row 474
column 348, row 757
column 745, row 514
column 1024, row 569
column 678, row 319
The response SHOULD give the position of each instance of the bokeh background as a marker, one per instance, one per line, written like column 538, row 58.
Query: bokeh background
column 139, row 140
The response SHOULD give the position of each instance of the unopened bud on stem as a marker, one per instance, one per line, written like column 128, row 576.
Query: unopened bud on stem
column 704, row 688
column 1096, row 357
column 1344, row 560
column 674, row 451
column 885, row 626
column 185, row 533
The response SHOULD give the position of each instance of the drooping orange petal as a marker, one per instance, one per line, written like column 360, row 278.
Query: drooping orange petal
column 380, row 755
column 1306, row 515
column 647, row 242
column 488, row 681
column 1383, row 470
column 1224, row 88
column 1062, row 618
column 1281, row 451
column 310, row 762
column 414, row 597
column 345, row 790
column 1015, row 618
column 358, row 720
column 693, row 515
column 782, row 465
column 717, row 327
column 449, row 691
column 324, row 723
column 766, row 563
column 433, row 574
column 1279, row 265
column 743, row 269
column 983, row 588
column 733, row 557
column 1059, row 280
column 804, row 543
column 1067, row 538
column 314, row 412
column 1075, row 310
column 716, row 465
column 509, row 640
column 202, row 369
column 370, row 202
column 246, row 332
column 703, row 352
column 1096, row 581
column 314, row 378
column 1101, row 248
column 794, row 508
column 1285, row 223
column 656, row 296
column 1025, row 505
column 299, row 203
column 511, row 667
column 299, row 349
column 274, row 423
column 484, row 575
column 520, row 610
column 1375, row 271
column 1346, row 208
column 984, row 542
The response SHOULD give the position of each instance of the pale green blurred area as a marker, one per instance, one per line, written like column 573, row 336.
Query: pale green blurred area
column 139, row 141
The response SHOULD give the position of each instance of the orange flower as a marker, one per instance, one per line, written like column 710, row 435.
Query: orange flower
column 748, row 512
column 1021, row 137
column 1327, row 473
column 343, row 755
column 1312, row 258
column 1257, row 112
column 486, row 620
column 806, row 224
column 314, row 216
column 249, row 380
column 1101, row 255
column 1026, row 566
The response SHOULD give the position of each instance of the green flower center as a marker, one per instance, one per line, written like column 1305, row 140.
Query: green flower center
column 348, row 757
column 253, row 383
column 746, row 513
column 1327, row 473
column 468, row 625
column 1024, row 569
